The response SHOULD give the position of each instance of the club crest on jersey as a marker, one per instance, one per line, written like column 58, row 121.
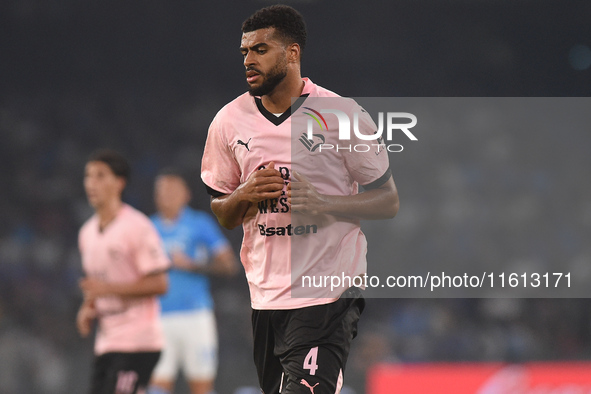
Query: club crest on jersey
column 245, row 144
column 313, row 144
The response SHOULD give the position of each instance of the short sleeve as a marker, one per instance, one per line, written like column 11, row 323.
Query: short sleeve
column 369, row 164
column 150, row 254
column 219, row 170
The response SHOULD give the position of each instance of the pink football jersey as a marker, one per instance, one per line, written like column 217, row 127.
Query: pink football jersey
column 281, row 248
column 127, row 249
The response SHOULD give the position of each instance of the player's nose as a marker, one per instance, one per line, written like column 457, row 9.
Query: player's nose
column 249, row 59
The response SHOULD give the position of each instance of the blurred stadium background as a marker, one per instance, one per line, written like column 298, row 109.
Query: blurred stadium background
column 146, row 77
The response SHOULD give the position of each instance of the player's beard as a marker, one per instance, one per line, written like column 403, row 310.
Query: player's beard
column 271, row 80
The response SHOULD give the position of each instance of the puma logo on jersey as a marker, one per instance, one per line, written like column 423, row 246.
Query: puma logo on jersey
column 303, row 381
column 240, row 142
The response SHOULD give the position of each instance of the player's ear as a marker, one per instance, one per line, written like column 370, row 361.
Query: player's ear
column 294, row 53
column 122, row 182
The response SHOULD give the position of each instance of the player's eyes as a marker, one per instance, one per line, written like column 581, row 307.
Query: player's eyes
column 258, row 52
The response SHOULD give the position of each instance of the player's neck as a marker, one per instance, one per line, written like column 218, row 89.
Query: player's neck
column 107, row 212
column 279, row 100
column 170, row 215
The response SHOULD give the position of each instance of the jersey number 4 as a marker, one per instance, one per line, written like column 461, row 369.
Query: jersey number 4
column 310, row 362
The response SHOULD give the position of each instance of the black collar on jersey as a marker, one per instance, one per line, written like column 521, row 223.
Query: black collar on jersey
column 277, row 120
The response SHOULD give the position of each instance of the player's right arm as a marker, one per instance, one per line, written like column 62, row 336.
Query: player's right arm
column 85, row 317
column 87, row 311
column 230, row 209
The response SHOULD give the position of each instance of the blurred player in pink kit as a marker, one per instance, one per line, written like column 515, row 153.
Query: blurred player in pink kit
column 125, row 266
column 257, row 176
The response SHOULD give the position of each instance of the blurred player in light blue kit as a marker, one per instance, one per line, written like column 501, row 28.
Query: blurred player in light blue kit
column 197, row 249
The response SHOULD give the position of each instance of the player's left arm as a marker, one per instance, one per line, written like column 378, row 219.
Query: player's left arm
column 148, row 285
column 223, row 263
column 219, row 260
column 378, row 203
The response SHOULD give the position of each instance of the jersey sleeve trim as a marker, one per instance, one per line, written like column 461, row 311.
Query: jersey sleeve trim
column 378, row 182
column 214, row 193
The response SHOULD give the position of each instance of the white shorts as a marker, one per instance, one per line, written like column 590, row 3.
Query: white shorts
column 191, row 345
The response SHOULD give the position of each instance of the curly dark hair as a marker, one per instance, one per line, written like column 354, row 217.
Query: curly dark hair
column 288, row 23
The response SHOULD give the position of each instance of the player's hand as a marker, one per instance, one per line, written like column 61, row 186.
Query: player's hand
column 84, row 319
column 262, row 185
column 182, row 261
column 93, row 288
column 304, row 197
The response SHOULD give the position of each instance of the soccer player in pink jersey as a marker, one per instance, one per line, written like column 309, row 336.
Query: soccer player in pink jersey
column 125, row 266
column 257, row 177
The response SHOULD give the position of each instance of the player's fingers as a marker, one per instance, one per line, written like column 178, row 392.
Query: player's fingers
column 269, row 189
column 268, row 195
column 299, row 202
column 269, row 179
column 297, row 186
column 300, row 208
column 269, row 186
column 267, row 175
column 299, row 198
column 301, row 190
column 300, row 177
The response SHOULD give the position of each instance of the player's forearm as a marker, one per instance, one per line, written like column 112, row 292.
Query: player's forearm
column 224, row 263
column 380, row 203
column 149, row 285
column 230, row 209
column 365, row 206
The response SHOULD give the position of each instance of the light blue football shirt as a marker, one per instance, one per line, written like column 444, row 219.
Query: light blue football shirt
column 196, row 234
